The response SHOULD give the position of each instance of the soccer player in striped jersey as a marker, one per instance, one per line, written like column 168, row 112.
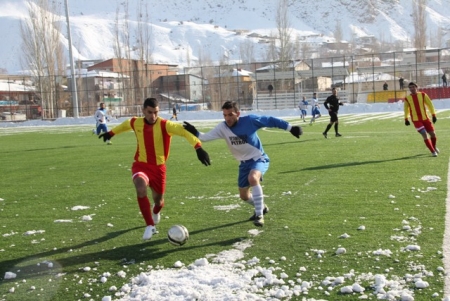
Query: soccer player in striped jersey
column 416, row 105
column 239, row 132
column 153, row 135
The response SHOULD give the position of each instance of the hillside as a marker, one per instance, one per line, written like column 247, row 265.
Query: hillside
column 182, row 31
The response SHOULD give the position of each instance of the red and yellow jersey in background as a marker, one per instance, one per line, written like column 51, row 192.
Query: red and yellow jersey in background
column 416, row 105
column 153, row 140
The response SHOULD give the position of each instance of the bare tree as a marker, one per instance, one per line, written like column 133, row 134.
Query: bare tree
column 420, row 27
column 144, row 49
column 122, row 51
column 271, row 50
column 247, row 52
column 285, row 50
column 338, row 34
column 43, row 51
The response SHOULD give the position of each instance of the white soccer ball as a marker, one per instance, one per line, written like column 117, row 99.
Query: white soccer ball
column 178, row 235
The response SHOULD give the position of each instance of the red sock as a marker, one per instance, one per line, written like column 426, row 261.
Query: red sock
column 433, row 141
column 144, row 205
column 429, row 145
column 157, row 209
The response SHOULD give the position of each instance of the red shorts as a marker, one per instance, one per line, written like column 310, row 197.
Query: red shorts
column 154, row 175
column 424, row 124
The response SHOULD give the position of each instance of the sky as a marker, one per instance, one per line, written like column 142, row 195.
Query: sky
column 227, row 277
column 207, row 26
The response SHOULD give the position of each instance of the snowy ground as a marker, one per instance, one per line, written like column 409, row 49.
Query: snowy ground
column 227, row 277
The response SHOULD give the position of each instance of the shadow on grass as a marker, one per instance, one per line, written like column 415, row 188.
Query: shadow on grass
column 69, row 259
column 301, row 140
column 349, row 164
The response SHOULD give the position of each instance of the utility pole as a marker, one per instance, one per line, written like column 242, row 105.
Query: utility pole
column 72, row 68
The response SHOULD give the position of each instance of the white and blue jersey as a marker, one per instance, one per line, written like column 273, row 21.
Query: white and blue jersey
column 242, row 139
column 101, row 118
column 244, row 143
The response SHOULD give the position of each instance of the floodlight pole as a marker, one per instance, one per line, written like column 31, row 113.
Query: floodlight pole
column 72, row 68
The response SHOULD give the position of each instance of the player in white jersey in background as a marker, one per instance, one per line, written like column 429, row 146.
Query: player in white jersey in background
column 101, row 117
column 315, row 109
column 245, row 145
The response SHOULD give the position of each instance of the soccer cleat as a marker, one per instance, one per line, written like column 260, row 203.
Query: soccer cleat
column 325, row 135
column 148, row 233
column 109, row 142
column 265, row 210
column 434, row 154
column 94, row 131
column 156, row 217
column 436, row 150
column 259, row 221
column 338, row 135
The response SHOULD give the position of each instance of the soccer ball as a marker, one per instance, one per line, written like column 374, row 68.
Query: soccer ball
column 178, row 235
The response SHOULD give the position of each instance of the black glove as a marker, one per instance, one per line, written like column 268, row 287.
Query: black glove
column 106, row 136
column 190, row 128
column 434, row 119
column 341, row 103
column 296, row 131
column 203, row 156
column 407, row 122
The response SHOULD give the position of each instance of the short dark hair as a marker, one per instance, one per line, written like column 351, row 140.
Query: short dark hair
column 230, row 105
column 412, row 84
column 151, row 102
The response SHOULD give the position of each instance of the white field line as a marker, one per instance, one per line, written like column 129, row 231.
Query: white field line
column 446, row 243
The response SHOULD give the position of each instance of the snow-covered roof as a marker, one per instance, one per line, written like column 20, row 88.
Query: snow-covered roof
column 15, row 87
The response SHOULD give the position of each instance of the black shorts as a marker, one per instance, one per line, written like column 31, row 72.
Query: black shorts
column 333, row 116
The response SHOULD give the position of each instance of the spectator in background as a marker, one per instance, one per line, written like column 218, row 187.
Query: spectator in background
column 385, row 86
column 401, row 81
column 270, row 88
column 444, row 80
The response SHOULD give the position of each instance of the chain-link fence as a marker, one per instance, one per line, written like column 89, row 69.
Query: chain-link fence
column 362, row 78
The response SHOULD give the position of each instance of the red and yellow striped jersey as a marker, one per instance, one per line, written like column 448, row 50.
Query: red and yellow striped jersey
column 416, row 105
column 153, row 140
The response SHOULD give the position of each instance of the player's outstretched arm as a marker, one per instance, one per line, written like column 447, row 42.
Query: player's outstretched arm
column 203, row 156
column 190, row 128
column 296, row 131
column 106, row 136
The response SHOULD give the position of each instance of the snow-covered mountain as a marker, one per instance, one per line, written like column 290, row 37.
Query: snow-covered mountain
column 183, row 31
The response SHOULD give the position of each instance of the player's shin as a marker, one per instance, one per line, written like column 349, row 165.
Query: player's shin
column 258, row 199
column 429, row 145
column 144, row 206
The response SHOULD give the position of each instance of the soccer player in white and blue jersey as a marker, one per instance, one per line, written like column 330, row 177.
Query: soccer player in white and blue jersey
column 245, row 145
column 101, row 117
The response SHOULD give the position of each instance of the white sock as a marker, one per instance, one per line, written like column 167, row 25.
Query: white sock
column 258, row 199
column 250, row 201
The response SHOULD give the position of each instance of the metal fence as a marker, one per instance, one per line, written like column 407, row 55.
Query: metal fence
column 371, row 77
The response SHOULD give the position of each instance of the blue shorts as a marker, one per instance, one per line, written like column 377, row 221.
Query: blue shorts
column 315, row 111
column 102, row 128
column 304, row 112
column 246, row 166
